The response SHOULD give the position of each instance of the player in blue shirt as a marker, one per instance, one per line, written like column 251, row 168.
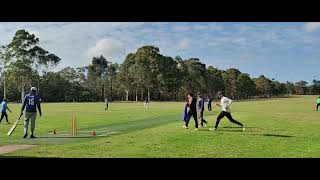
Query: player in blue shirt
column 31, row 102
column 4, row 107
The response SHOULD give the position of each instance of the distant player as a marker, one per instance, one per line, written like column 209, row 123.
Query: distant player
column 192, row 104
column 318, row 102
column 185, row 112
column 200, row 110
column 146, row 102
column 4, row 108
column 106, row 101
column 209, row 104
column 31, row 102
column 225, row 104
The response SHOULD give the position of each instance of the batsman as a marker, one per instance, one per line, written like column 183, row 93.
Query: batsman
column 31, row 102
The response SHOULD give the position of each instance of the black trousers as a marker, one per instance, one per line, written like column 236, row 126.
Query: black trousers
column 318, row 106
column 209, row 107
column 107, row 107
column 4, row 114
column 194, row 115
column 201, row 117
column 228, row 115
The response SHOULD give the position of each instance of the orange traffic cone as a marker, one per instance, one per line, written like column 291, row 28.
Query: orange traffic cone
column 94, row 133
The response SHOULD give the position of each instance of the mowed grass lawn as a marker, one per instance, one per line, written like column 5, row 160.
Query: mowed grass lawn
column 284, row 127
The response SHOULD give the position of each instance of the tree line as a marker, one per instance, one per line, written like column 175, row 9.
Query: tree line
column 143, row 74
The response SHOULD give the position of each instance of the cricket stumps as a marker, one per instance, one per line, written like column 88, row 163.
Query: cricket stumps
column 74, row 127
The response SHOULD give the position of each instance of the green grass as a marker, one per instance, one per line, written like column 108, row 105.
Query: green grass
column 286, row 127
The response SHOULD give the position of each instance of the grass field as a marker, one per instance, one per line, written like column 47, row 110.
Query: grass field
column 286, row 127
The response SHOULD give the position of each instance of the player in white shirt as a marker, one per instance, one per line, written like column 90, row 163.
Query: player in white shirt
column 225, row 106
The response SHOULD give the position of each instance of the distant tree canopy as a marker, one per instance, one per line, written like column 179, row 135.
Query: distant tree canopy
column 143, row 74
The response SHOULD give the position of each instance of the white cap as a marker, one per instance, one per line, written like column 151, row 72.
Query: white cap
column 33, row 89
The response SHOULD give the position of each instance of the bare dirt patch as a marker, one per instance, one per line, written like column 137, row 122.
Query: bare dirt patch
column 14, row 147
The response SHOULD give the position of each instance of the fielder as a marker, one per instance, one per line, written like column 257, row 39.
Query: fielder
column 225, row 104
column 31, row 102
column 200, row 110
column 107, row 104
column 209, row 104
column 192, row 104
column 145, row 104
column 4, row 110
column 318, row 102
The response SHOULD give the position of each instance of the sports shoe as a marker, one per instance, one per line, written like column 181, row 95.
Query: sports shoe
column 196, row 129
column 32, row 136
column 212, row 129
column 243, row 128
column 25, row 136
column 185, row 127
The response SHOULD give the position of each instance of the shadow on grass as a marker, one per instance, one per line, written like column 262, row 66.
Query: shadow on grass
column 239, row 127
column 278, row 135
column 68, row 137
column 124, row 127
column 220, row 130
column 229, row 130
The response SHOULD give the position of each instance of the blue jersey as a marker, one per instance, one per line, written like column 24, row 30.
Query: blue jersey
column 31, row 102
column 4, row 106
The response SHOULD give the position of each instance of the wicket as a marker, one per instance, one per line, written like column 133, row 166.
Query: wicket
column 74, row 128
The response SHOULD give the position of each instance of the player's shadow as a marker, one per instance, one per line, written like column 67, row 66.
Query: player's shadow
column 228, row 127
column 278, row 135
column 67, row 137
column 234, row 128
column 226, row 130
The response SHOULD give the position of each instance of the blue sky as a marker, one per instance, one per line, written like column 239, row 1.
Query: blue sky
column 284, row 51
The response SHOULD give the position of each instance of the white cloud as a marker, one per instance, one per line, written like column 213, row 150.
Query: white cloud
column 311, row 26
column 184, row 43
column 108, row 47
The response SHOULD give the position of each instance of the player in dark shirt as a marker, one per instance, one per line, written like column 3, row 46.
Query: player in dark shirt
column 31, row 102
column 192, row 104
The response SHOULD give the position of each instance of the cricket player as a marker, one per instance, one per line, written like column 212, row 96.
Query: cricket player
column 192, row 104
column 200, row 110
column 225, row 104
column 146, row 102
column 185, row 112
column 107, row 104
column 318, row 102
column 4, row 108
column 31, row 102
column 209, row 104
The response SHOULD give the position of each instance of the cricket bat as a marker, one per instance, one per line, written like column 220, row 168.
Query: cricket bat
column 14, row 125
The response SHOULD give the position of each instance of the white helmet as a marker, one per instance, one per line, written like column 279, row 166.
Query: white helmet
column 33, row 89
